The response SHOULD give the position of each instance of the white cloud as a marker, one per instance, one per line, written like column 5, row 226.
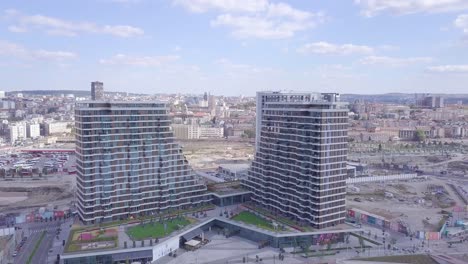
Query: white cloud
column 334, row 49
column 259, row 27
column 53, row 55
column 388, row 47
column 201, row 6
column 20, row 52
column 56, row 26
column 146, row 61
column 333, row 72
column 462, row 23
column 449, row 69
column 374, row 7
column 238, row 67
column 285, row 10
column 12, row 49
column 255, row 18
column 394, row 61
column 17, row 29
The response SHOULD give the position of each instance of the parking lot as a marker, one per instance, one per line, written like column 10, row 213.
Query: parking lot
column 35, row 165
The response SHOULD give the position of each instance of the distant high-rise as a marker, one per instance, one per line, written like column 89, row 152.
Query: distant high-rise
column 97, row 90
column 211, row 103
column 299, row 169
column 433, row 102
column 128, row 163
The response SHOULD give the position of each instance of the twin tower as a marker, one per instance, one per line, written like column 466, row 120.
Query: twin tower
column 128, row 163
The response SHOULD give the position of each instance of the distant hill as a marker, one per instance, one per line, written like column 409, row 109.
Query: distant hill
column 78, row 93
column 400, row 98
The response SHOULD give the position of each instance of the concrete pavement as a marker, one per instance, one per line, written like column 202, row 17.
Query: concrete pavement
column 27, row 248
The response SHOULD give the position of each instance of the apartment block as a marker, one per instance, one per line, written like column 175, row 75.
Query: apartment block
column 128, row 164
column 97, row 90
column 299, row 170
column 33, row 130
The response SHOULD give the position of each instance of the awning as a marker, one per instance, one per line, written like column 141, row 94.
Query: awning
column 192, row 234
column 192, row 243
column 132, row 255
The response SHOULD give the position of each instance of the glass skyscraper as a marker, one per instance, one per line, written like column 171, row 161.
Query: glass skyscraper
column 128, row 164
column 299, row 170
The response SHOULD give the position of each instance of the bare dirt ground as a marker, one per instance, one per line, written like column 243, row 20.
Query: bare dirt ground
column 7, row 198
column 208, row 154
column 411, row 201
column 22, row 196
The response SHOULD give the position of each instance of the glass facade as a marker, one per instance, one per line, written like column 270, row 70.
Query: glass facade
column 128, row 163
column 299, row 170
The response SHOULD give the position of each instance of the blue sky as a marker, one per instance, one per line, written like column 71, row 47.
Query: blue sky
column 233, row 47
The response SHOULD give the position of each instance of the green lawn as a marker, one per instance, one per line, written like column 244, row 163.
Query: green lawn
column 413, row 259
column 156, row 229
column 251, row 218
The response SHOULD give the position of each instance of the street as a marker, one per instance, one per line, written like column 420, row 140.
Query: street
column 49, row 247
column 26, row 250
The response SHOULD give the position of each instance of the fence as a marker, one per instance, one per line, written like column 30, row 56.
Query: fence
column 384, row 178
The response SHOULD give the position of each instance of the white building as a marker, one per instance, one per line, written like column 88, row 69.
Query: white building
column 33, row 130
column 185, row 131
column 196, row 131
column 17, row 132
column 57, row 128
column 211, row 132
column 2, row 94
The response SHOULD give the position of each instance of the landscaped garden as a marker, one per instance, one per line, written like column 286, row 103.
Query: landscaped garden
column 253, row 219
column 280, row 219
column 92, row 238
column 157, row 229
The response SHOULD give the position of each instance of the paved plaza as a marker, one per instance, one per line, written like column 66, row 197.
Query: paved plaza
column 221, row 250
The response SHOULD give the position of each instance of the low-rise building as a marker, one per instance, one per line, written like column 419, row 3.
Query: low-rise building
column 196, row 132
column 56, row 128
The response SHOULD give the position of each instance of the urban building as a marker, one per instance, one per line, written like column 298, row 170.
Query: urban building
column 17, row 132
column 433, row 102
column 197, row 132
column 56, row 128
column 185, row 131
column 7, row 105
column 299, row 169
column 33, row 130
column 128, row 164
column 429, row 101
column 97, row 90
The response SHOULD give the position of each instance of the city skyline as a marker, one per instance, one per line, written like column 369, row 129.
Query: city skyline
column 236, row 47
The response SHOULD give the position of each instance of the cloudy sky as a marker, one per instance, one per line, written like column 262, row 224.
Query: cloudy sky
column 235, row 47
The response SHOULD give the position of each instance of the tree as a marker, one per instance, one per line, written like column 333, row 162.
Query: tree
column 420, row 135
column 329, row 246
column 250, row 133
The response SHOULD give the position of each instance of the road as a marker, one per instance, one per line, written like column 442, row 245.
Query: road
column 56, row 246
column 41, row 254
column 28, row 247
column 49, row 247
